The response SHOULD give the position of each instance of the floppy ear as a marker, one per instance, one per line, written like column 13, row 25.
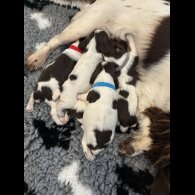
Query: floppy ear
column 96, row 72
column 37, row 95
column 84, row 41
column 102, row 41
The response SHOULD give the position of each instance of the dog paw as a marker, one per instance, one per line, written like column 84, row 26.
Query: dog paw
column 126, row 148
column 35, row 61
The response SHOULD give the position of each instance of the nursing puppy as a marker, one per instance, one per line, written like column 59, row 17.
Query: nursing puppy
column 49, row 84
column 127, row 74
column 98, row 44
column 100, row 115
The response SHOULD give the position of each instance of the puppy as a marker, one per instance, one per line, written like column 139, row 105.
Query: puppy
column 97, row 45
column 125, row 70
column 51, row 79
column 100, row 115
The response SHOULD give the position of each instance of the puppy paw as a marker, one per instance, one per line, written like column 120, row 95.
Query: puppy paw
column 29, row 108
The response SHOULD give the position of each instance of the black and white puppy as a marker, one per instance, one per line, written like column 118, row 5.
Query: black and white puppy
column 50, row 82
column 100, row 115
column 97, row 45
column 127, row 97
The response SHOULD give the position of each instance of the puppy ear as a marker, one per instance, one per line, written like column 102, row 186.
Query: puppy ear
column 37, row 95
column 84, row 41
column 96, row 72
column 102, row 42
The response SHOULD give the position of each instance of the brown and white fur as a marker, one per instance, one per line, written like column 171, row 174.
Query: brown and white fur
column 148, row 21
column 160, row 149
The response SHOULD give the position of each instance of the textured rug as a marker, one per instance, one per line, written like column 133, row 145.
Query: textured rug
column 54, row 163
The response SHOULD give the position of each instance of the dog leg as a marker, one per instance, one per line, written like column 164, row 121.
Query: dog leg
column 54, row 113
column 139, row 141
column 80, row 27
column 132, row 102
column 29, row 107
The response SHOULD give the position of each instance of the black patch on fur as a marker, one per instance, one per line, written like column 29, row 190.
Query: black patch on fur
column 79, row 115
column 124, row 117
column 102, row 139
column 55, row 135
column 133, row 72
column 114, row 104
column 84, row 42
column 61, row 88
column 45, row 93
column 59, row 70
column 160, row 43
column 128, row 6
column 96, row 72
column 124, row 93
column 138, row 181
column 110, row 47
column 109, row 67
column 74, row 114
column 93, row 96
column 72, row 77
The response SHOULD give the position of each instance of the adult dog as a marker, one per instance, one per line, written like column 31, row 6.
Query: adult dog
column 148, row 21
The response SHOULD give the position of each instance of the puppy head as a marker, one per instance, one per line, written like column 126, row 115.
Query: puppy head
column 110, row 47
column 41, row 95
column 38, row 96
column 83, row 42
column 94, row 142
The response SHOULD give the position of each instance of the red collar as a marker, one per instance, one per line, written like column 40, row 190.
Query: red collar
column 75, row 48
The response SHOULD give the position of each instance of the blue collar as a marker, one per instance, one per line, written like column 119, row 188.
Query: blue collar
column 104, row 84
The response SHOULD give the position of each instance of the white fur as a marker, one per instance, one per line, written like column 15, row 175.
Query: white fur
column 69, row 175
column 42, row 22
